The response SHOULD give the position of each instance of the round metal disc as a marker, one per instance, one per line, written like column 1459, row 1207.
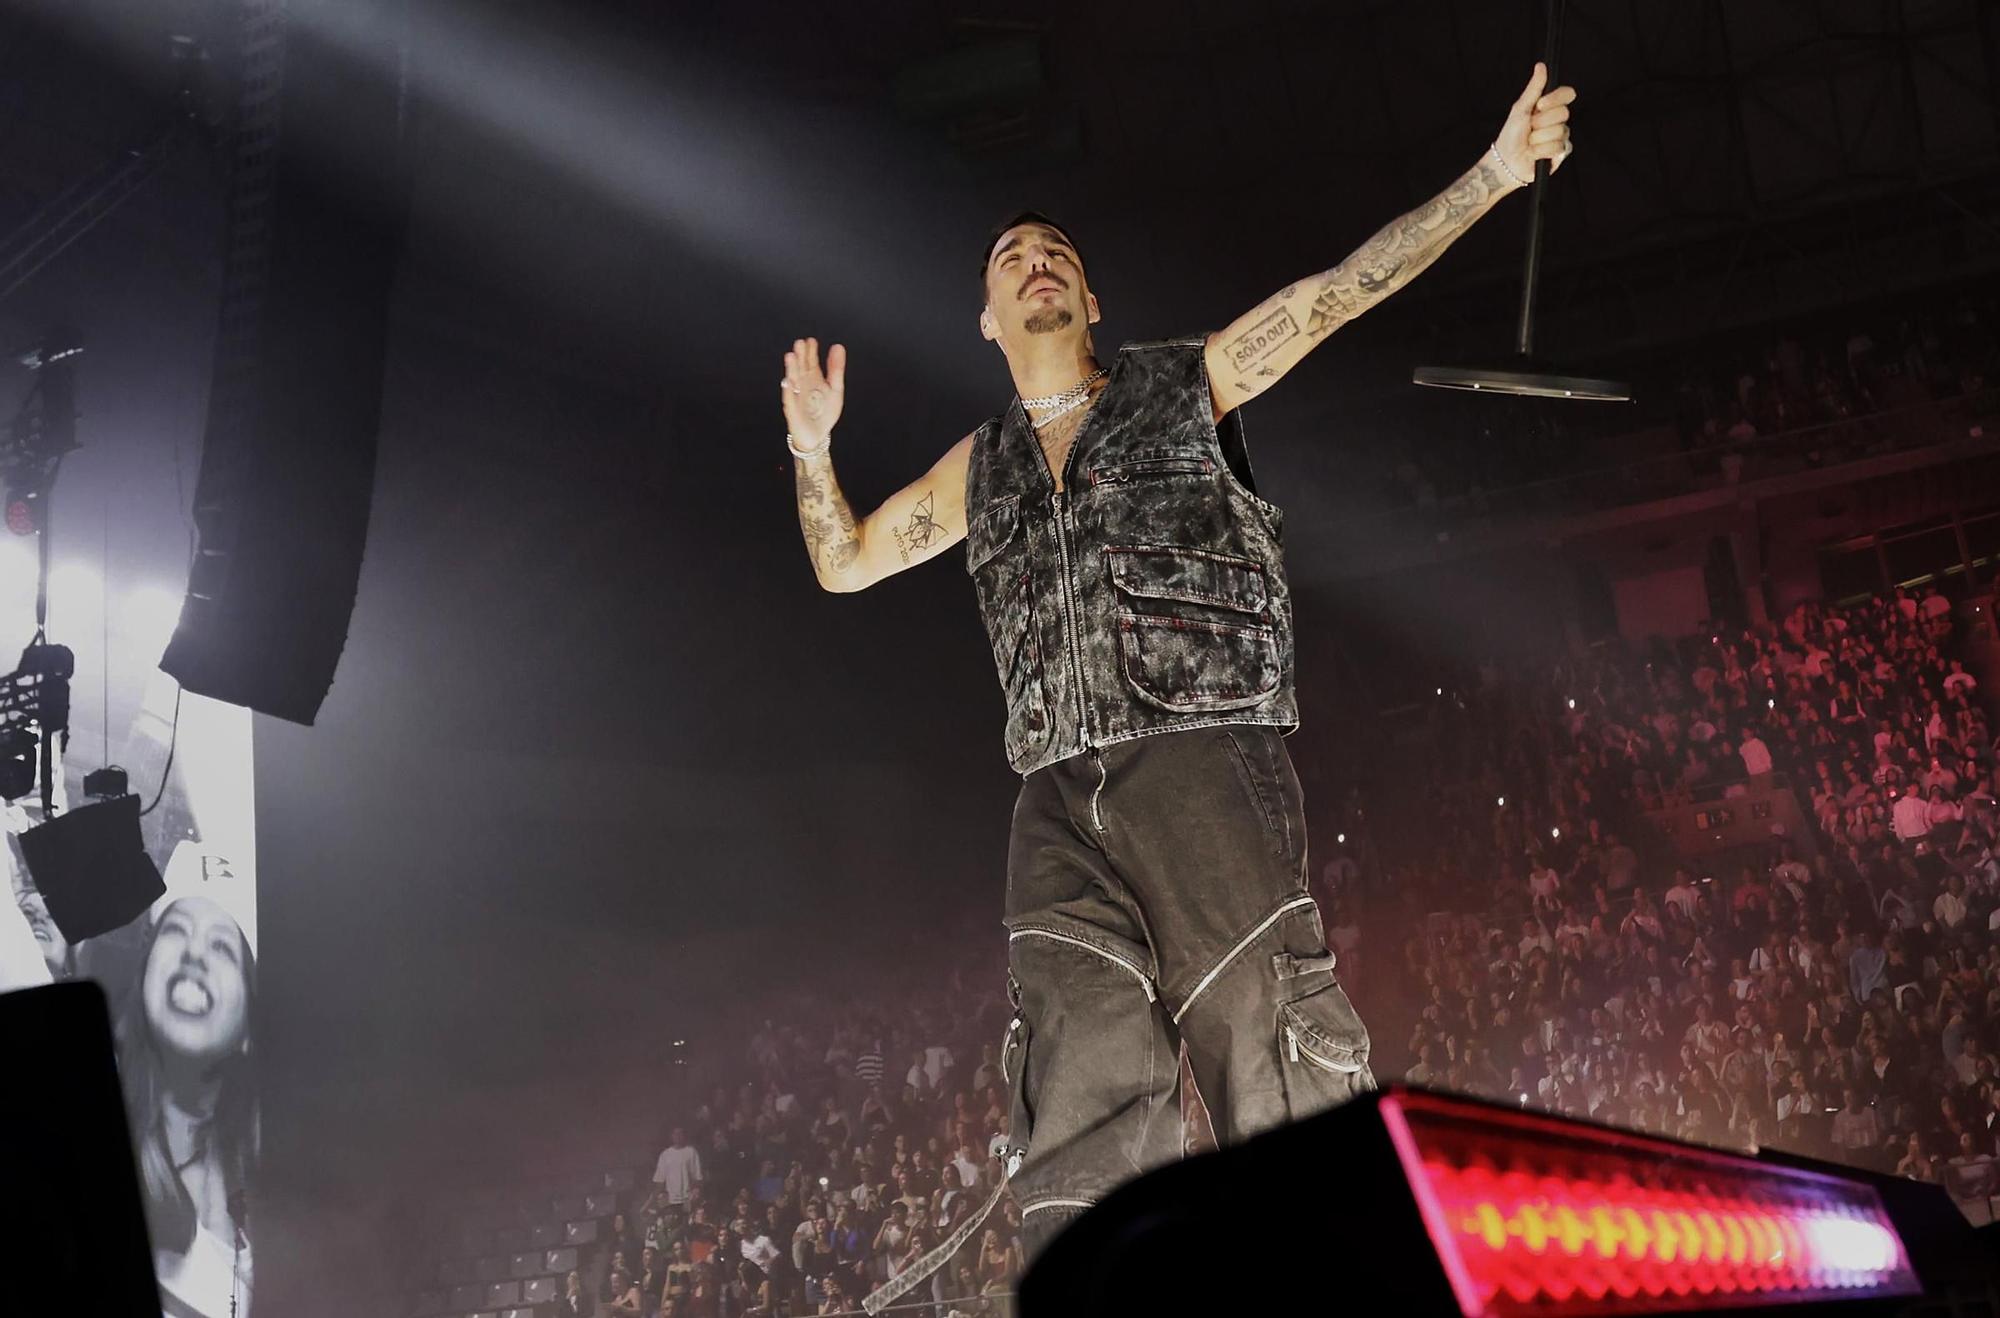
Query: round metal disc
column 1516, row 380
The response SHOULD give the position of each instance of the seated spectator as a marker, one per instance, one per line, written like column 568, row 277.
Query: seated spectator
column 624, row 1293
column 606, row 1290
column 1916, row 1161
column 1855, row 1127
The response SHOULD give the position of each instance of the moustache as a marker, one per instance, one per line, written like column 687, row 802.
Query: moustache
column 1041, row 279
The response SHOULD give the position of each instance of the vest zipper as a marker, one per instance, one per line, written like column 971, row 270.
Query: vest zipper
column 1069, row 618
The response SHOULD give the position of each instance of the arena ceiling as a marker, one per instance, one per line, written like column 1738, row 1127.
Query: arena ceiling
column 1741, row 151
column 1729, row 141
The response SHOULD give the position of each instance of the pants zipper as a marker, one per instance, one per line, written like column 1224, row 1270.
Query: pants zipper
column 1298, row 1050
column 1097, row 794
column 1145, row 983
column 1294, row 904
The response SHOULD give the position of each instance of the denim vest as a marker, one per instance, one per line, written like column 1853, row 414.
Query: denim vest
column 1149, row 595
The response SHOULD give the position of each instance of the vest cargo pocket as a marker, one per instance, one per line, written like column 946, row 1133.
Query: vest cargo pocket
column 1322, row 1051
column 1189, row 576
column 1191, row 638
column 1193, row 667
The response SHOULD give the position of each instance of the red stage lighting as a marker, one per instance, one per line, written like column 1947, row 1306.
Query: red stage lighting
column 1408, row 1202
column 1531, row 1215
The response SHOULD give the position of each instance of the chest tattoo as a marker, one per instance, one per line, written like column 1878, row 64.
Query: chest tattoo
column 1059, row 435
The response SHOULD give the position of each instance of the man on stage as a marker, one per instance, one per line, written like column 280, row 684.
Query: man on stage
column 1132, row 584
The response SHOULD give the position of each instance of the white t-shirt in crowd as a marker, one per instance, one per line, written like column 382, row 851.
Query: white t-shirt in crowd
column 1683, row 896
column 678, row 1170
column 1756, row 755
column 1911, row 816
column 761, row 1251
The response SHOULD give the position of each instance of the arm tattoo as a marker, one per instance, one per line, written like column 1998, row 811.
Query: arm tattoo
column 828, row 524
column 1256, row 344
column 921, row 533
column 817, row 530
column 1402, row 249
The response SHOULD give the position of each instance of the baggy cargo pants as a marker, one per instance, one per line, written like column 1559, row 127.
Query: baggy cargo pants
column 1156, row 895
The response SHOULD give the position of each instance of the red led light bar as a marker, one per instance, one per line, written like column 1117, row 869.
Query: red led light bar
column 1530, row 1215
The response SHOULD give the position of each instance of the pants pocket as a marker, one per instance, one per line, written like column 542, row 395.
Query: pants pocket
column 1251, row 758
column 1322, row 1051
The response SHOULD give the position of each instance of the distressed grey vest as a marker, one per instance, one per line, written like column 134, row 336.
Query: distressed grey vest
column 1149, row 595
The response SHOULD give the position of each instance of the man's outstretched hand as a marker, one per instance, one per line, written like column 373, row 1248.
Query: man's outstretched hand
column 1537, row 127
column 812, row 399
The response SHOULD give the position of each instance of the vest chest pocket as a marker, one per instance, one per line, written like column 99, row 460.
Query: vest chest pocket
column 1192, row 637
column 1150, row 467
column 995, row 555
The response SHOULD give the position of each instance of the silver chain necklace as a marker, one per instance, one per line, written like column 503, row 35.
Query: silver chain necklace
column 1065, row 402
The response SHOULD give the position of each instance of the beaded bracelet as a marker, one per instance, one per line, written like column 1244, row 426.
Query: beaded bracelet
column 1501, row 160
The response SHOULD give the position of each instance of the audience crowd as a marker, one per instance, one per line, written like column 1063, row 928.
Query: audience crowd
column 1834, row 989
column 847, row 1143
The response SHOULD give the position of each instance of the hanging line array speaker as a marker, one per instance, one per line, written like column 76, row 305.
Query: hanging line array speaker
column 317, row 207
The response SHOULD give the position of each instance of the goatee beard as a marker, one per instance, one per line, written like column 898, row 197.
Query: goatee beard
column 1047, row 321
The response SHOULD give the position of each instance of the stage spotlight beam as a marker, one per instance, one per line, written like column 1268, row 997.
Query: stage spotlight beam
column 1525, row 374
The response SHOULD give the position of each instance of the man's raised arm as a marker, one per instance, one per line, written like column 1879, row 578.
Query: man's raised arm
column 919, row 521
column 1259, row 347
